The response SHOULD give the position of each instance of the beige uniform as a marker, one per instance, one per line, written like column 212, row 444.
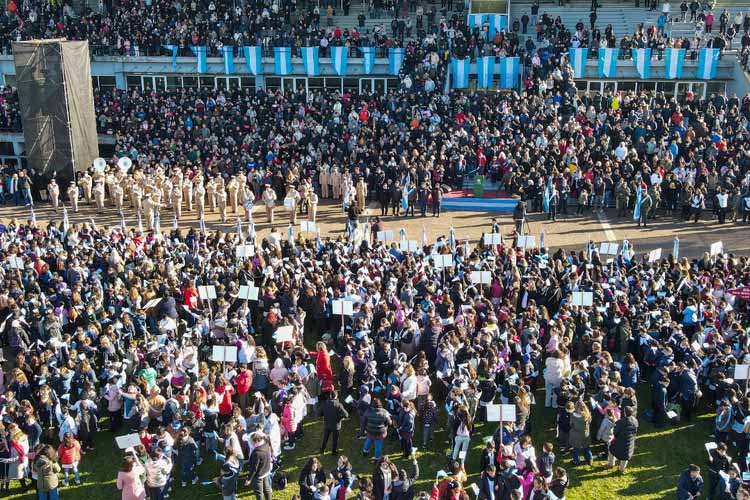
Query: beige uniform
column 98, row 192
column 324, row 179
column 118, row 192
column 177, row 200
column 313, row 206
column 150, row 205
column 199, row 193
column 269, row 200
column 86, row 184
column 136, row 197
column 232, row 191
column 336, row 183
column 187, row 192
column 211, row 194
column 221, row 202
column 361, row 195
column 53, row 190
column 73, row 196
column 291, row 202
column 248, row 197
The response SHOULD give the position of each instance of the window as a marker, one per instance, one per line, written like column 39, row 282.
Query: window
column 6, row 149
column 273, row 83
column 174, row 82
column 207, row 82
column 10, row 80
column 351, row 83
column 247, row 82
column 134, row 82
column 629, row 86
column 715, row 88
column 314, row 83
column 333, row 84
column 103, row 82
column 190, row 82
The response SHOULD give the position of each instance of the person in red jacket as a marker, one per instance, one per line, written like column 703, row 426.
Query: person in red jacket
column 322, row 363
column 69, row 453
column 243, row 382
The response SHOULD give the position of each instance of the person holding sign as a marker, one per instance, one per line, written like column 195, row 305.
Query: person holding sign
column 291, row 201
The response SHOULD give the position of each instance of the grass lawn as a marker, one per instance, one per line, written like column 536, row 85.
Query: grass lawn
column 660, row 456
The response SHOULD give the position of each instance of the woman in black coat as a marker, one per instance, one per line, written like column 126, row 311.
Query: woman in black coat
column 383, row 477
column 623, row 446
column 310, row 478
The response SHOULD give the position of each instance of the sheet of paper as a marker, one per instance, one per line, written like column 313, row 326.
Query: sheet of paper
column 493, row 413
column 285, row 334
column 128, row 441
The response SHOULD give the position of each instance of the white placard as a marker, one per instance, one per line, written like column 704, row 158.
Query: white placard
column 493, row 239
column 343, row 307
column 244, row 251
column 224, row 353
column 608, row 249
column 207, row 292
column 15, row 262
column 654, row 255
column 248, row 292
column 289, row 203
column 717, row 248
column 308, row 226
column 508, row 413
column 493, row 413
column 385, row 235
column 462, row 455
column 408, row 245
column 285, row 334
column 526, row 242
column 585, row 299
column 443, row 261
column 128, row 441
column 152, row 303
column 481, row 277
column 741, row 372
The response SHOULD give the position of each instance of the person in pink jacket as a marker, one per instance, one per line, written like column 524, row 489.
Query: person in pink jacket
column 287, row 423
column 129, row 479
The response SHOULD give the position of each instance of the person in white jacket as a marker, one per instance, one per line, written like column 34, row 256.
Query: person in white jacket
column 553, row 374
column 409, row 384
column 273, row 430
column 158, row 471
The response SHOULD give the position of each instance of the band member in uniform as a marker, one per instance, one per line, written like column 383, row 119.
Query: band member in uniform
column 53, row 190
column 269, row 200
column 73, row 196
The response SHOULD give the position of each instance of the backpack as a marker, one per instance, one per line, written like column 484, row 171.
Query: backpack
column 281, row 479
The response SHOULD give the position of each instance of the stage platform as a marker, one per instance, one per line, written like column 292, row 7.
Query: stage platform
column 493, row 201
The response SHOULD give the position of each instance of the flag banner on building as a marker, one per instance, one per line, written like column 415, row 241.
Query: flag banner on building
column 476, row 21
column 310, row 60
column 577, row 59
column 395, row 60
column 253, row 60
column 282, row 60
column 608, row 62
column 708, row 60
column 228, row 53
column 339, row 58
column 642, row 62
column 200, row 53
column 173, row 50
column 485, row 71
column 510, row 70
column 498, row 24
column 460, row 73
column 673, row 61
column 368, row 59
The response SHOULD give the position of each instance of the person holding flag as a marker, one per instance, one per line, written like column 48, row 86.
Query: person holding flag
column 553, row 199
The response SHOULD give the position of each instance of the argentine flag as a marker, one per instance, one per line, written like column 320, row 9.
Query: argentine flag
column 509, row 72
column 577, row 59
column 200, row 53
column 708, row 60
column 638, row 201
column 173, row 50
column 642, row 62
column 498, row 23
column 395, row 60
column 228, row 53
column 282, row 60
column 547, row 195
column 476, row 21
column 608, row 62
column 339, row 58
column 253, row 60
column 673, row 63
column 460, row 73
column 310, row 60
column 485, row 71
column 368, row 59
column 405, row 193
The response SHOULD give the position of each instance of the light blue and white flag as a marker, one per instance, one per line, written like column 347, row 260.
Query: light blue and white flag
column 282, row 60
column 510, row 70
column 253, row 59
column 452, row 239
column 200, row 53
column 642, row 62
column 310, row 60
column 339, row 58
column 485, row 71
column 368, row 59
column 638, row 201
column 476, row 21
column 676, row 248
column 498, row 23
column 173, row 50
column 405, row 193
column 395, row 60
column 608, row 62
column 708, row 61
column 577, row 58
column 547, row 195
column 290, row 235
column 673, row 61
column 626, row 251
column 460, row 73
column 228, row 53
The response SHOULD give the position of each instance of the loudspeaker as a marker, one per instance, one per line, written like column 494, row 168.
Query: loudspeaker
column 56, row 101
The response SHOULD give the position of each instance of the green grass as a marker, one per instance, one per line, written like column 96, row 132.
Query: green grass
column 660, row 456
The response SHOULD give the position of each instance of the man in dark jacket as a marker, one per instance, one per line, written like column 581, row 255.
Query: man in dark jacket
column 259, row 468
column 623, row 446
column 333, row 413
column 690, row 484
